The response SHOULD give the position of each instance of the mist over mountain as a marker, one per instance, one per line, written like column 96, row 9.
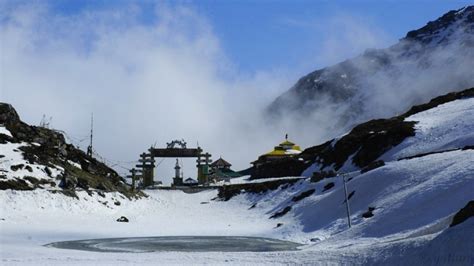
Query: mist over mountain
column 152, row 83
column 433, row 60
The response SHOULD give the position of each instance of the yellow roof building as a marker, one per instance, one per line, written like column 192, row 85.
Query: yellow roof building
column 284, row 149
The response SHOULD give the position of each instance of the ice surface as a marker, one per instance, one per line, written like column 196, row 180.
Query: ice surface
column 179, row 244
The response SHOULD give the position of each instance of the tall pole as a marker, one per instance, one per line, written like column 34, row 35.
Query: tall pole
column 347, row 201
column 92, row 126
column 133, row 179
column 89, row 149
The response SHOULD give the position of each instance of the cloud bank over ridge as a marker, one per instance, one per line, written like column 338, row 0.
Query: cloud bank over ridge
column 144, row 82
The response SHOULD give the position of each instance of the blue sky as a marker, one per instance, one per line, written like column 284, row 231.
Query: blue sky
column 258, row 35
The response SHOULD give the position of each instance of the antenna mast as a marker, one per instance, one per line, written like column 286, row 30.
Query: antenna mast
column 89, row 148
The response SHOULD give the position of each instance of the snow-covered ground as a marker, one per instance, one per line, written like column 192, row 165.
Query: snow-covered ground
column 5, row 131
column 414, row 201
column 412, row 207
column 34, row 218
column 448, row 126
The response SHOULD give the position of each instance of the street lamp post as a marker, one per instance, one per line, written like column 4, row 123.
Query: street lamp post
column 348, row 210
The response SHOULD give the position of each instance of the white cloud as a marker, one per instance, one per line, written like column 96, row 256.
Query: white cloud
column 346, row 36
column 169, row 79
column 145, row 83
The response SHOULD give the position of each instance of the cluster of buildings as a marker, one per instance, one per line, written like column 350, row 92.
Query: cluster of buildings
column 209, row 172
column 220, row 170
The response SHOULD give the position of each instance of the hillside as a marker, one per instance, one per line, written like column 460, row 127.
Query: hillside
column 415, row 208
column 403, row 206
column 433, row 60
column 369, row 144
column 39, row 158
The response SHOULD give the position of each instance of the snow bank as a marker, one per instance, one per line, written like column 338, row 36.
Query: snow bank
column 5, row 131
column 447, row 126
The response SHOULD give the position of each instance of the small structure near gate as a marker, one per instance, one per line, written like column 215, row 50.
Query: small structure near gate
column 221, row 164
column 190, row 182
column 143, row 176
column 178, row 179
column 220, row 171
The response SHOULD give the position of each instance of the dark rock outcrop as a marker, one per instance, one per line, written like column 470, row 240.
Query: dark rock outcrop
column 365, row 143
column 289, row 166
column 320, row 175
column 123, row 219
column 281, row 213
column 328, row 186
column 463, row 214
column 303, row 195
column 369, row 213
column 15, row 184
column 433, row 30
column 228, row 191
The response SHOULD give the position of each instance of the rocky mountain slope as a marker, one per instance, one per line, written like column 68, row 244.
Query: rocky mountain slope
column 409, row 182
column 433, row 60
column 36, row 157
column 369, row 144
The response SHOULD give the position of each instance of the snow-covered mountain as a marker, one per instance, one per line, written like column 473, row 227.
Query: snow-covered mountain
column 433, row 60
column 402, row 207
column 413, row 208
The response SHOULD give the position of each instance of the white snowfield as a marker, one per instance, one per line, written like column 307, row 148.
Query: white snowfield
column 448, row 126
column 414, row 201
column 5, row 131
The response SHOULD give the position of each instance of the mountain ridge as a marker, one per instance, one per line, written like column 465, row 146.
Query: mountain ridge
column 432, row 60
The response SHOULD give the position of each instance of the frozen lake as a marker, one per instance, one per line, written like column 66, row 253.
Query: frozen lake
column 179, row 243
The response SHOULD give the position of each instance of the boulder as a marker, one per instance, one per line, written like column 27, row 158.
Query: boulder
column 463, row 214
column 123, row 219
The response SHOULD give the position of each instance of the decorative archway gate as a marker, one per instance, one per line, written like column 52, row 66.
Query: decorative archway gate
column 174, row 149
